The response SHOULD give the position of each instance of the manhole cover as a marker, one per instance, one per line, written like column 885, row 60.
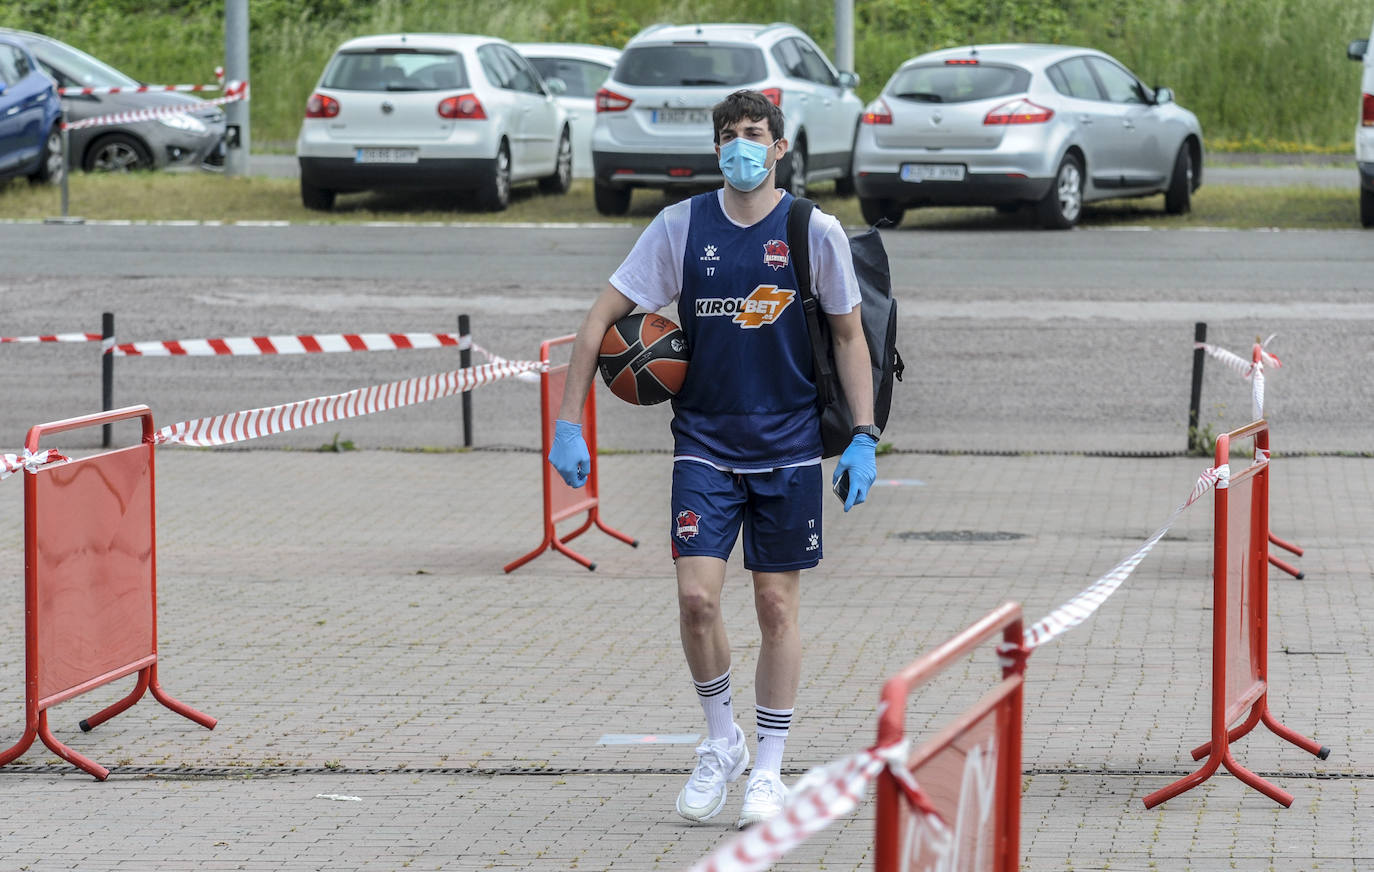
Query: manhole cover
column 959, row 536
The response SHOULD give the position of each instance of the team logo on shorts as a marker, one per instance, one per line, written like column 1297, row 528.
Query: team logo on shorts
column 775, row 253
column 688, row 523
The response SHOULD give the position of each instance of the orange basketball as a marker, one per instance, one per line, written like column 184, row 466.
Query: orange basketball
column 644, row 359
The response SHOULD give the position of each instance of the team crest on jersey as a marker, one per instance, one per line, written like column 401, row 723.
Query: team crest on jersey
column 775, row 253
column 688, row 524
column 764, row 305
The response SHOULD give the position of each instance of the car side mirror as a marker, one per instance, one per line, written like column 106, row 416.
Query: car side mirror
column 1357, row 49
column 849, row 81
column 1163, row 95
column 556, row 86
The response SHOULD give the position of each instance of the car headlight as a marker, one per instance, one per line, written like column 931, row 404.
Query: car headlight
column 183, row 122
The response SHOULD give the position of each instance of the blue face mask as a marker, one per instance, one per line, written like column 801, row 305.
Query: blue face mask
column 742, row 163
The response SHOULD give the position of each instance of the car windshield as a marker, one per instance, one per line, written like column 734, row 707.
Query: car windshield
column 395, row 69
column 957, row 83
column 73, row 68
column 581, row 77
column 695, row 64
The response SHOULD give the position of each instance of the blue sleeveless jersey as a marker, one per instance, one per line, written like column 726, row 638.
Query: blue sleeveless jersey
column 749, row 401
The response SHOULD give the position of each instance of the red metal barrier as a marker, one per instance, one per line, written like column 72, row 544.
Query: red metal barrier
column 1240, row 623
column 560, row 500
column 971, row 769
column 90, row 583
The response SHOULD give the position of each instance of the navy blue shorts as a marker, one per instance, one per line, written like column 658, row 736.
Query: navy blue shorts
column 779, row 510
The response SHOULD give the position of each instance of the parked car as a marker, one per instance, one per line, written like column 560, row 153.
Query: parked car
column 653, row 115
column 192, row 139
column 1047, row 126
column 30, row 117
column 427, row 111
column 1359, row 50
column 582, row 69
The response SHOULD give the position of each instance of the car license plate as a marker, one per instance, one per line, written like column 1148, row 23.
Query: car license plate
column 932, row 172
column 682, row 116
column 387, row 155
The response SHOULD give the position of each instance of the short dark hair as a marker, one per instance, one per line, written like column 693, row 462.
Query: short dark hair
column 746, row 104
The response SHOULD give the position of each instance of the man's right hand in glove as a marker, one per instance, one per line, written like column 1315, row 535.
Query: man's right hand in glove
column 569, row 453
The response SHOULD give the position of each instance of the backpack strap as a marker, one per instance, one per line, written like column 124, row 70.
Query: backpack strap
column 799, row 246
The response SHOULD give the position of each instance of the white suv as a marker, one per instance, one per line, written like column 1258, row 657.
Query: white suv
column 1363, row 50
column 653, row 116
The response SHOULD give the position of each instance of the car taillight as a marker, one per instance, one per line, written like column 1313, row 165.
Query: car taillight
column 877, row 113
column 774, row 95
column 1019, row 112
column 1367, row 116
column 321, row 106
column 609, row 101
column 464, row 106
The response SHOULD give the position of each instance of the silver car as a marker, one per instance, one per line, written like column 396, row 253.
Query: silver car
column 1047, row 126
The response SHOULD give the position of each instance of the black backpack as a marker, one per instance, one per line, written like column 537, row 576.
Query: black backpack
column 879, row 320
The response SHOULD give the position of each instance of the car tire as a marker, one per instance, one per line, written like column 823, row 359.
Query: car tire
column 117, row 153
column 494, row 195
column 1179, row 198
column 844, row 185
column 877, row 210
column 52, row 162
column 1063, row 202
column 793, row 179
column 561, row 180
column 1366, row 208
column 611, row 200
column 316, row 199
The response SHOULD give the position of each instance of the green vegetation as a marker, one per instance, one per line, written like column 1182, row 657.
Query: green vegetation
column 1263, row 75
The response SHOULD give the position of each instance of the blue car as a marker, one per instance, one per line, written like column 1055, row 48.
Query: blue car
column 30, row 117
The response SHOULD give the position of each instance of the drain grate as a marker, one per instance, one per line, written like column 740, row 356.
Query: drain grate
column 958, row 536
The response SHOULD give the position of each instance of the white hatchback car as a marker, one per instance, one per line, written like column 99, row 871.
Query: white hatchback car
column 582, row 69
column 653, row 117
column 1363, row 50
column 432, row 111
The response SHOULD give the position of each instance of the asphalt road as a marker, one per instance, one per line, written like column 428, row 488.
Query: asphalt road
column 1014, row 339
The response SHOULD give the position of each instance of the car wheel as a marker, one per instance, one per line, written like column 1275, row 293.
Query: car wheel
column 875, row 211
column 1179, row 198
column 844, row 185
column 1366, row 208
column 53, row 162
column 1063, row 202
column 561, row 180
column 495, row 193
column 611, row 200
column 795, row 182
column 117, row 153
column 318, row 199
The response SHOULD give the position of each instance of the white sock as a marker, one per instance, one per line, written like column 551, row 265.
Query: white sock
column 773, row 725
column 714, row 696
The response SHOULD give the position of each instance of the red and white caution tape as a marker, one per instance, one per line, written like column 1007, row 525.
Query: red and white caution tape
column 12, row 463
column 1081, row 607
column 818, row 798
column 304, row 344
column 253, row 423
column 54, row 337
column 1244, row 368
column 235, row 92
column 144, row 89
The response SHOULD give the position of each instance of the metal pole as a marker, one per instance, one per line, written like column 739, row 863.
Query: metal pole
column 465, row 361
column 844, row 35
column 106, row 372
column 236, row 70
column 66, row 164
column 1199, row 357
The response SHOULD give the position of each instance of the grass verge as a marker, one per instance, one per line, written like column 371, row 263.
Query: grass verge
column 207, row 197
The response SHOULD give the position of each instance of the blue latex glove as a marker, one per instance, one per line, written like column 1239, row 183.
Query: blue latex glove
column 569, row 453
column 860, row 462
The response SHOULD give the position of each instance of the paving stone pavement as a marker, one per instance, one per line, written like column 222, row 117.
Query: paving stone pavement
column 390, row 699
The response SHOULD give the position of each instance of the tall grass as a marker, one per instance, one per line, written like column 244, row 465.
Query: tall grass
column 1260, row 74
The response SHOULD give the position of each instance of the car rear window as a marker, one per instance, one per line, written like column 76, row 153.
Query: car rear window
column 691, row 64
column 391, row 69
column 581, row 77
column 958, row 83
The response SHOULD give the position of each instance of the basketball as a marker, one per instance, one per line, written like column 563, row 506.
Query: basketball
column 644, row 359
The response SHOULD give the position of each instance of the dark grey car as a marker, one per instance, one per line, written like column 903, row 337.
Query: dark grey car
column 192, row 139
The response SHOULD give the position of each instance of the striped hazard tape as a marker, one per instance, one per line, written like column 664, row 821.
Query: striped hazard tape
column 254, row 423
column 303, row 344
column 144, row 89
column 234, row 92
column 54, row 337
column 1247, row 369
column 12, row 463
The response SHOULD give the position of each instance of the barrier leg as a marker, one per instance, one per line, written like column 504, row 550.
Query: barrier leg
column 1286, row 546
column 628, row 540
column 1278, row 794
column 78, row 760
column 1184, row 784
column 110, row 711
column 1312, row 747
column 551, row 540
column 586, row 525
column 177, row 706
column 24, row 743
column 1286, row 567
column 1256, row 711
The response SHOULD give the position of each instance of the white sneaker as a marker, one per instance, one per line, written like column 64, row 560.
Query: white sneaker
column 764, row 796
column 718, row 762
